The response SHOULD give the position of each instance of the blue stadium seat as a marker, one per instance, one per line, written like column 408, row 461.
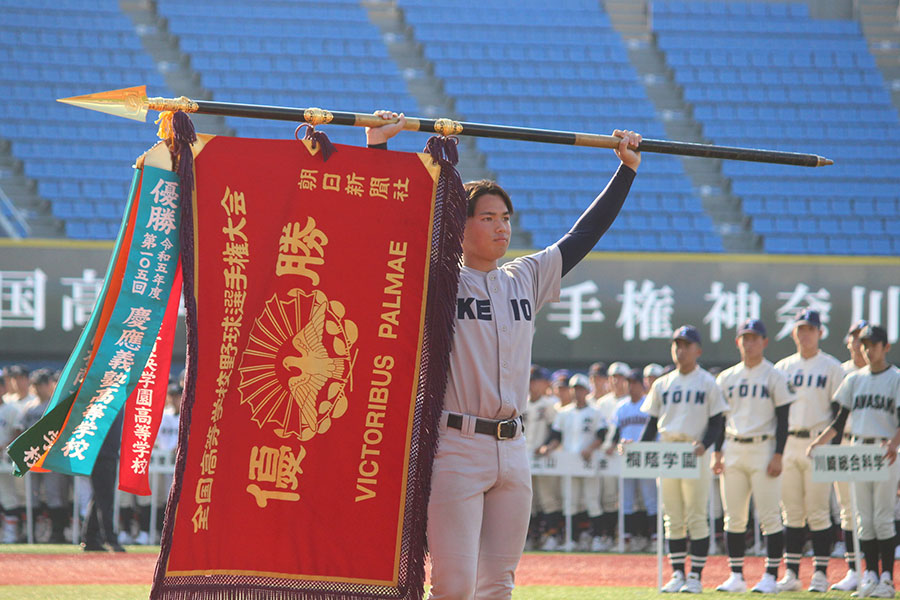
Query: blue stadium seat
column 752, row 85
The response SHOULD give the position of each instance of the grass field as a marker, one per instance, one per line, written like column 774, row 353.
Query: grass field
column 632, row 570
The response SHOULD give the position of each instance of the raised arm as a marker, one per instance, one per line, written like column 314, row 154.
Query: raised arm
column 599, row 216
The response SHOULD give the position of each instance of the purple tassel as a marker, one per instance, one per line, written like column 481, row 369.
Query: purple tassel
column 319, row 137
column 181, row 152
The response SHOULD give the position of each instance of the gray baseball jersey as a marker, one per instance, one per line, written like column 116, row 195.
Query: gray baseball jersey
column 752, row 395
column 495, row 314
column 814, row 381
column 872, row 400
column 684, row 403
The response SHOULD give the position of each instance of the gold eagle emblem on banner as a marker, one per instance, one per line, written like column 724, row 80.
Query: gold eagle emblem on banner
column 298, row 363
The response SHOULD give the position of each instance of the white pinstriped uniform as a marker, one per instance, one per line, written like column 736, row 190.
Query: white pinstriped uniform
column 814, row 381
column 752, row 395
column 872, row 400
column 683, row 404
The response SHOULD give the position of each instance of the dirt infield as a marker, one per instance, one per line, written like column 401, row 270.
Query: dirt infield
column 637, row 570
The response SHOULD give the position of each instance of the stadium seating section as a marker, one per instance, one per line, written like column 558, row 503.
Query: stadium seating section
column 80, row 159
column 564, row 68
column 755, row 74
column 790, row 82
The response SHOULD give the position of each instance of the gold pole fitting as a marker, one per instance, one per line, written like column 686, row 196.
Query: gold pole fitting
column 317, row 116
column 182, row 103
column 447, row 127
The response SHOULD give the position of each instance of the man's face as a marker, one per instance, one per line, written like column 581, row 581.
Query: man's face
column 806, row 337
column 854, row 345
column 619, row 385
column 635, row 388
column 538, row 387
column 43, row 390
column 599, row 384
column 875, row 353
column 648, row 381
column 685, row 353
column 563, row 392
column 581, row 394
column 23, row 385
column 487, row 231
column 751, row 346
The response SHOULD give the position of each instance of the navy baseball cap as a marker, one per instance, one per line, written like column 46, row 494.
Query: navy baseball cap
column 752, row 326
column 808, row 317
column 636, row 375
column 874, row 334
column 858, row 326
column 561, row 377
column 598, row 368
column 538, row 372
column 688, row 333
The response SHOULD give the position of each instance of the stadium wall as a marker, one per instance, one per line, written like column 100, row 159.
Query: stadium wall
column 614, row 306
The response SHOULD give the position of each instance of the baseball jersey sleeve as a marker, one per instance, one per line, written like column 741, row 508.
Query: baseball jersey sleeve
column 835, row 376
column 844, row 394
column 652, row 404
column 781, row 392
column 544, row 269
column 717, row 404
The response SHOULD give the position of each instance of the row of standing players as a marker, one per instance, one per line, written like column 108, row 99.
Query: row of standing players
column 24, row 396
column 759, row 421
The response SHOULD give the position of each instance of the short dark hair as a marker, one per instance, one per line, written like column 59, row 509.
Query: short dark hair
column 41, row 376
column 477, row 189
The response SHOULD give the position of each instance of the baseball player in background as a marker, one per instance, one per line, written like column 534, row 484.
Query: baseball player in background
column 480, row 499
column 617, row 384
column 546, row 505
column 870, row 395
column 12, row 498
column 814, row 376
column 756, row 429
column 686, row 405
column 652, row 372
column 579, row 429
column 629, row 421
column 842, row 488
column 597, row 373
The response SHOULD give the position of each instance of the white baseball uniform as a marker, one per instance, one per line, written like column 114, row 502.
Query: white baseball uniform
column 842, row 488
column 539, row 416
column 814, row 381
column 683, row 405
column 12, row 488
column 752, row 395
column 872, row 400
column 609, row 484
column 480, row 501
column 578, row 428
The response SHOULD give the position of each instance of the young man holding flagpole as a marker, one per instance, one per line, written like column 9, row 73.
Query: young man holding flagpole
column 480, row 499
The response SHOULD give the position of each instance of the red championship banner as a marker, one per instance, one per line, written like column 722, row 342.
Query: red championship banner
column 320, row 302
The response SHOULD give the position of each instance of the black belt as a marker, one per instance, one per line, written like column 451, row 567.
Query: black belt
column 749, row 440
column 502, row 430
column 801, row 433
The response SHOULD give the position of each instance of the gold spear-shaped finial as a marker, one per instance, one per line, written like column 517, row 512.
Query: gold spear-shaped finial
column 131, row 103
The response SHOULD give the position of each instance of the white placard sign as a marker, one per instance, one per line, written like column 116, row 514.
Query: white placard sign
column 668, row 460
column 849, row 463
column 571, row 463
